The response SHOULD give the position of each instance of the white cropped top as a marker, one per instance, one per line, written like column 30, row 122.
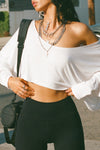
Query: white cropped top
column 77, row 68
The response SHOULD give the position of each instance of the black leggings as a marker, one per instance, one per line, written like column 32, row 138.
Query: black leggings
column 54, row 122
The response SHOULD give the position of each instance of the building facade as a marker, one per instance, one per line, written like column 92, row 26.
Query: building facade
column 19, row 9
column 4, row 5
column 82, row 11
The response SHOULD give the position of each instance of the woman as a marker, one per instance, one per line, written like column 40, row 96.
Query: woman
column 50, row 76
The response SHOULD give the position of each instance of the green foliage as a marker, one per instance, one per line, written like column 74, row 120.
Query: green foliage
column 4, row 23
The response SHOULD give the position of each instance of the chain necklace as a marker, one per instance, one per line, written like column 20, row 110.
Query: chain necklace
column 50, row 34
column 48, row 24
column 53, row 43
column 47, row 50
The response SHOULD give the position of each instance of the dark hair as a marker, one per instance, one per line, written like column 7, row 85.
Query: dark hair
column 65, row 11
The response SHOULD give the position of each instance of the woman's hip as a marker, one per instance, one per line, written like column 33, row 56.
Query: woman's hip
column 49, row 111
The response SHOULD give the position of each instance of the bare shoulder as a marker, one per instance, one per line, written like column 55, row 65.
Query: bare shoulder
column 83, row 32
column 79, row 28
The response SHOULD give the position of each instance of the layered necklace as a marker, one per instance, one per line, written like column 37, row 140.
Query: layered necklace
column 50, row 35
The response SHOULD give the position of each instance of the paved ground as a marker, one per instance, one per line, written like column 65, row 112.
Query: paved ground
column 3, row 40
column 90, row 145
column 90, row 120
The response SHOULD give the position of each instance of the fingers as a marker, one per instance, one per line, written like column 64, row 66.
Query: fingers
column 25, row 92
column 24, row 81
column 69, row 92
column 27, row 88
column 21, row 87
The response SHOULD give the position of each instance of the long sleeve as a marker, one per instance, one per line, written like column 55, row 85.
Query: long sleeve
column 8, row 60
column 88, row 87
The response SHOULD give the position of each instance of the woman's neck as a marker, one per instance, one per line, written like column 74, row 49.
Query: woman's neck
column 50, row 18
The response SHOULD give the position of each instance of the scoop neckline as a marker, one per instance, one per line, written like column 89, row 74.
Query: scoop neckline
column 78, row 47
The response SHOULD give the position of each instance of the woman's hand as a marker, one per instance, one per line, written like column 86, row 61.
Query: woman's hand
column 69, row 92
column 20, row 87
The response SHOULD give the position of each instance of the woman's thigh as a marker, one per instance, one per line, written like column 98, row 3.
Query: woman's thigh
column 29, row 137
column 30, row 131
column 69, row 133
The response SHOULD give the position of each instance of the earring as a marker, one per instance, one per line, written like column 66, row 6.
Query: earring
column 60, row 5
column 41, row 14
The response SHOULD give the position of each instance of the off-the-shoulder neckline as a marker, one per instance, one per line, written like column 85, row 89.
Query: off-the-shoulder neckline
column 78, row 47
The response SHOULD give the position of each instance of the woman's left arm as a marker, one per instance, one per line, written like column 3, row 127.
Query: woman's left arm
column 86, row 88
column 93, row 84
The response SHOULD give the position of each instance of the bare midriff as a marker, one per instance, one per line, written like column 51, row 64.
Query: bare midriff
column 44, row 94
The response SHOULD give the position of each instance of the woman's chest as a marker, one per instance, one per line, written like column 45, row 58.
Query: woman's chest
column 38, row 52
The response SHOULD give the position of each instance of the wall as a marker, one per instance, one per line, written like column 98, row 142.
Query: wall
column 97, row 10
column 82, row 11
column 20, row 9
column 17, row 16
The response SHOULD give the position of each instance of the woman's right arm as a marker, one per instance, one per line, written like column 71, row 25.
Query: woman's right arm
column 8, row 71
column 20, row 87
column 8, row 60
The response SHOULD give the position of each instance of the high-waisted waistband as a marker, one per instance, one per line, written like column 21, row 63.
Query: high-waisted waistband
column 61, row 104
column 51, row 110
column 49, row 103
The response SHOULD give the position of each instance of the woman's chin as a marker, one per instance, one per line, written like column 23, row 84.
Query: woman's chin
column 38, row 9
